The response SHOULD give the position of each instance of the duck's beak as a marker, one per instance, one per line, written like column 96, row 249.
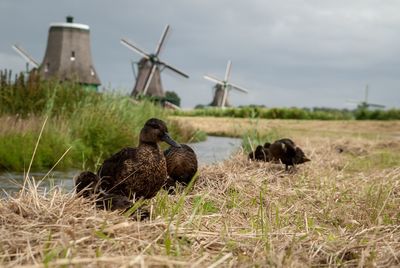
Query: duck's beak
column 170, row 141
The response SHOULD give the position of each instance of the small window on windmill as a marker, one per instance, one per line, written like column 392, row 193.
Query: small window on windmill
column 46, row 67
column 92, row 71
column 72, row 56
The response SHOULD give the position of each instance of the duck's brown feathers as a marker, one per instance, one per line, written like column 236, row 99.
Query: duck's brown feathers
column 139, row 172
column 287, row 152
column 181, row 165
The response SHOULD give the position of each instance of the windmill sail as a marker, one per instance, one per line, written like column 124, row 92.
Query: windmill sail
column 223, row 87
column 365, row 104
column 25, row 56
column 148, row 81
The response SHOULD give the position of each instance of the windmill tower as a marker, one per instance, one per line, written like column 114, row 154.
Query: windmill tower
column 148, row 80
column 365, row 104
column 68, row 55
column 222, row 88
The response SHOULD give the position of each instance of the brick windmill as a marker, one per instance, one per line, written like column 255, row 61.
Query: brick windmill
column 222, row 88
column 148, row 80
column 68, row 55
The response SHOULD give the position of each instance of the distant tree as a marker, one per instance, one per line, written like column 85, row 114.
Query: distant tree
column 172, row 97
column 200, row 106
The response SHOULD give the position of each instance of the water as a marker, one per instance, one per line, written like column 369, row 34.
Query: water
column 213, row 150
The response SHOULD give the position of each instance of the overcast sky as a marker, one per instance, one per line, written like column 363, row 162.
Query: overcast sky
column 287, row 53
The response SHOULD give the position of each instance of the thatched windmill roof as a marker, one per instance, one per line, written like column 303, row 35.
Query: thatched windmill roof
column 68, row 55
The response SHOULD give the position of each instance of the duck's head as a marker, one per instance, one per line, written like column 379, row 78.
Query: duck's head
column 300, row 157
column 267, row 145
column 154, row 131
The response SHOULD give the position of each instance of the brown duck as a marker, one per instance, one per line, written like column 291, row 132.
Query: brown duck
column 181, row 165
column 286, row 151
column 141, row 171
column 133, row 172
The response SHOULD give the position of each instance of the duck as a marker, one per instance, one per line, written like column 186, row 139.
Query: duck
column 260, row 154
column 181, row 165
column 89, row 185
column 139, row 172
column 86, row 184
column 287, row 152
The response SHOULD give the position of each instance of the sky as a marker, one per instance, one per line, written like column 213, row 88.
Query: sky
column 303, row 53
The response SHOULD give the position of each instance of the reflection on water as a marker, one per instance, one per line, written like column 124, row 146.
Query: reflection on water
column 213, row 150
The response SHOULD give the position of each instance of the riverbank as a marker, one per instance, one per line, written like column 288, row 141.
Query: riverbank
column 342, row 208
column 238, row 213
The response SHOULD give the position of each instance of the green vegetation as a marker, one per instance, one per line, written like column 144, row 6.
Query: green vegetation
column 94, row 125
column 294, row 113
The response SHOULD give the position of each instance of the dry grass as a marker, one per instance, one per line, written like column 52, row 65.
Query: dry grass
column 339, row 209
column 238, row 126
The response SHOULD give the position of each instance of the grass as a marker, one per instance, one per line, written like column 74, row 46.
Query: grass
column 94, row 125
column 340, row 209
column 95, row 130
column 293, row 113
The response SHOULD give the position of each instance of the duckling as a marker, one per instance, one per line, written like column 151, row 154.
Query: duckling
column 140, row 171
column 89, row 185
column 86, row 184
column 287, row 152
column 260, row 154
column 181, row 165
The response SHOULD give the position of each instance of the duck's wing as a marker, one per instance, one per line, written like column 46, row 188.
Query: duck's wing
column 114, row 163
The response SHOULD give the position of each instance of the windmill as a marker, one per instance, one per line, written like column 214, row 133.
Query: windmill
column 68, row 56
column 222, row 88
column 148, row 80
column 365, row 104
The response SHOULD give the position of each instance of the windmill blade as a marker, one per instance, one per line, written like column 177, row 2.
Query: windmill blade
column 233, row 86
column 228, row 71
column 134, row 48
column 25, row 55
column 375, row 105
column 149, row 78
column 225, row 96
column 162, row 40
column 212, row 79
column 173, row 69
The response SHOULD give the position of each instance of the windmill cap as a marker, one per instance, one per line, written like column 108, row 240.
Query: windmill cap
column 70, row 24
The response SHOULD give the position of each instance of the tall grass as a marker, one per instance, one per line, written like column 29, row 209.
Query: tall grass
column 94, row 124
